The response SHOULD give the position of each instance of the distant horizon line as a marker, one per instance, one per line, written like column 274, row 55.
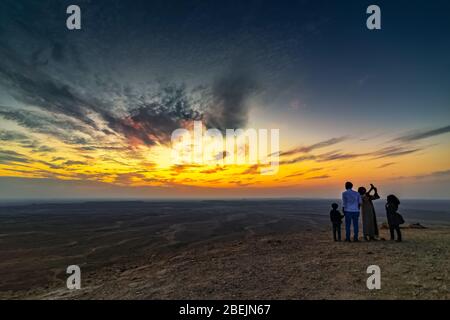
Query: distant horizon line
column 140, row 199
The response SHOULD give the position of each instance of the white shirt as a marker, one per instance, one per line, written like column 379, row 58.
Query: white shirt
column 351, row 200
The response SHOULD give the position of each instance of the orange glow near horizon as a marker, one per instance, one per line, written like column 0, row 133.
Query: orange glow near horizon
column 138, row 165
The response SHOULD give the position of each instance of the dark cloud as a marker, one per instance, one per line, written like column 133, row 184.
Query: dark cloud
column 62, row 128
column 153, row 121
column 322, row 144
column 147, row 122
column 106, row 158
column 133, row 177
column 8, row 135
column 302, row 173
column 213, row 170
column 394, row 151
column 254, row 169
column 340, row 156
column 49, row 164
column 299, row 159
column 103, row 147
column 221, row 155
column 230, row 95
column 43, row 149
column 75, row 163
column 431, row 175
column 385, row 165
column 387, row 152
column 297, row 174
column 88, row 148
column 325, row 176
column 38, row 173
column 146, row 119
column 128, row 178
column 423, row 134
column 435, row 174
column 8, row 156
column 23, row 141
column 82, row 102
column 33, row 87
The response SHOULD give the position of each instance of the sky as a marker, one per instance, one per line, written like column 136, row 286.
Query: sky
column 89, row 113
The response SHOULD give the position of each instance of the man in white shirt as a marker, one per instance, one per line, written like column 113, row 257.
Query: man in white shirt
column 351, row 201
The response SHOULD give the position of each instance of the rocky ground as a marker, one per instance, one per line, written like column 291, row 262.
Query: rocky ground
column 304, row 265
column 212, row 250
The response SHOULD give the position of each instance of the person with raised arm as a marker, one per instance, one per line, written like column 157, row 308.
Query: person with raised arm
column 369, row 218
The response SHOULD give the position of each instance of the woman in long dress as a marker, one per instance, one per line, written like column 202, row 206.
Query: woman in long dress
column 369, row 218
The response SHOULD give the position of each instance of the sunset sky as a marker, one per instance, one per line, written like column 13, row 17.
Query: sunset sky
column 89, row 113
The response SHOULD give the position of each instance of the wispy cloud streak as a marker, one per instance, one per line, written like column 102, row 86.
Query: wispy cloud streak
column 423, row 134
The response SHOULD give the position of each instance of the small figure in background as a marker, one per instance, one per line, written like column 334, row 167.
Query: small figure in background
column 336, row 220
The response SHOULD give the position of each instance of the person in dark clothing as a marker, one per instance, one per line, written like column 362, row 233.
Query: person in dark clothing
column 393, row 217
column 336, row 220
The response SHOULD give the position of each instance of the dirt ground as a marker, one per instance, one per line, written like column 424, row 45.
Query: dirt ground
column 303, row 265
column 212, row 250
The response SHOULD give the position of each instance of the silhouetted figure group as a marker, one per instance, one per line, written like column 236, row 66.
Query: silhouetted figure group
column 361, row 202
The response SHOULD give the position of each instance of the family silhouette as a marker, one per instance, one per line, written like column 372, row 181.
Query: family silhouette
column 356, row 203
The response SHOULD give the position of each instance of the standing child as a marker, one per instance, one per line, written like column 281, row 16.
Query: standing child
column 336, row 220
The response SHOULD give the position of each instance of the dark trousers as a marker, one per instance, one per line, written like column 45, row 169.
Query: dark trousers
column 337, row 231
column 351, row 218
column 396, row 228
